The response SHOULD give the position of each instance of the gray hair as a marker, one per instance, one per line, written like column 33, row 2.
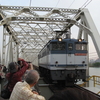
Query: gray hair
column 32, row 77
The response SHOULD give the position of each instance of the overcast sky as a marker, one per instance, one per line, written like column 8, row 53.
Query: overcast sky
column 93, row 7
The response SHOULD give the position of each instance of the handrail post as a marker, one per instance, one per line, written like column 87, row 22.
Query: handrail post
column 94, row 80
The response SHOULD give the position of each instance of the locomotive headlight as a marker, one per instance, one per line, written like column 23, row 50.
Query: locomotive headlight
column 79, row 40
column 60, row 39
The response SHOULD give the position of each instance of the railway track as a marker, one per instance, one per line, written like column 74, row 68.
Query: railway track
column 47, row 90
column 43, row 88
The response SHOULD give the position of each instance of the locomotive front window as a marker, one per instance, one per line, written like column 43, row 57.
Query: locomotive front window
column 58, row 46
column 81, row 46
column 70, row 46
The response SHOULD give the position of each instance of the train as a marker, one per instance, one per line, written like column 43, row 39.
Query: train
column 64, row 60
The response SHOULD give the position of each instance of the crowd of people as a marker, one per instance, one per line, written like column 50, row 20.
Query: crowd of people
column 22, row 77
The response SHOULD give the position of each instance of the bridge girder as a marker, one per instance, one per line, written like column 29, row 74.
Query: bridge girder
column 32, row 27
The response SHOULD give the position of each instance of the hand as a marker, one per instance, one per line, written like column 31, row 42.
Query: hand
column 19, row 59
column 35, row 92
column 30, row 64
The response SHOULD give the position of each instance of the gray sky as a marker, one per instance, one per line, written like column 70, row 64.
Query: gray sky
column 93, row 7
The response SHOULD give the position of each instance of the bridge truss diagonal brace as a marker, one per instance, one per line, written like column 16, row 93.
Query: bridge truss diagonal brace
column 94, row 34
column 63, row 18
column 88, row 27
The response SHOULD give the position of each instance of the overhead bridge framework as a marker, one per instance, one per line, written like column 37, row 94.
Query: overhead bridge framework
column 27, row 29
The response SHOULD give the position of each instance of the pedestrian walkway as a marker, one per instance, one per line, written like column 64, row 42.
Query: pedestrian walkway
column 3, row 83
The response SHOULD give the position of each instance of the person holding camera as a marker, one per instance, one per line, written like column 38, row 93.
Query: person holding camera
column 15, row 73
column 23, row 91
column 30, row 67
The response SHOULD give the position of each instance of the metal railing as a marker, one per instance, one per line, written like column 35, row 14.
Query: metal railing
column 96, row 81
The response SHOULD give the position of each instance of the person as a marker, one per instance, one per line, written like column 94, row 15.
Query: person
column 15, row 73
column 30, row 67
column 4, row 69
column 0, row 73
column 73, row 94
column 23, row 91
column 20, row 63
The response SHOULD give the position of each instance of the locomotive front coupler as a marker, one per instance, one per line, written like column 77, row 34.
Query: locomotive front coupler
column 70, row 80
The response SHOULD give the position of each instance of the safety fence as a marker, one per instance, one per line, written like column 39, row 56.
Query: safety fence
column 95, row 79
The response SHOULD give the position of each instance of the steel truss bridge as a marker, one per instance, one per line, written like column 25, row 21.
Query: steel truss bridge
column 27, row 29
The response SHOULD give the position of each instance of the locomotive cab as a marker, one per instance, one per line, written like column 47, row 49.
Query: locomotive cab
column 61, row 59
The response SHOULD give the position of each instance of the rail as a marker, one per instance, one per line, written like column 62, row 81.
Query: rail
column 96, row 81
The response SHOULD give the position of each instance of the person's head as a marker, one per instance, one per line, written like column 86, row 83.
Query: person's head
column 32, row 77
column 13, row 67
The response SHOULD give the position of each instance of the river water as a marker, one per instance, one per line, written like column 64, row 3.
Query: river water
column 94, row 71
